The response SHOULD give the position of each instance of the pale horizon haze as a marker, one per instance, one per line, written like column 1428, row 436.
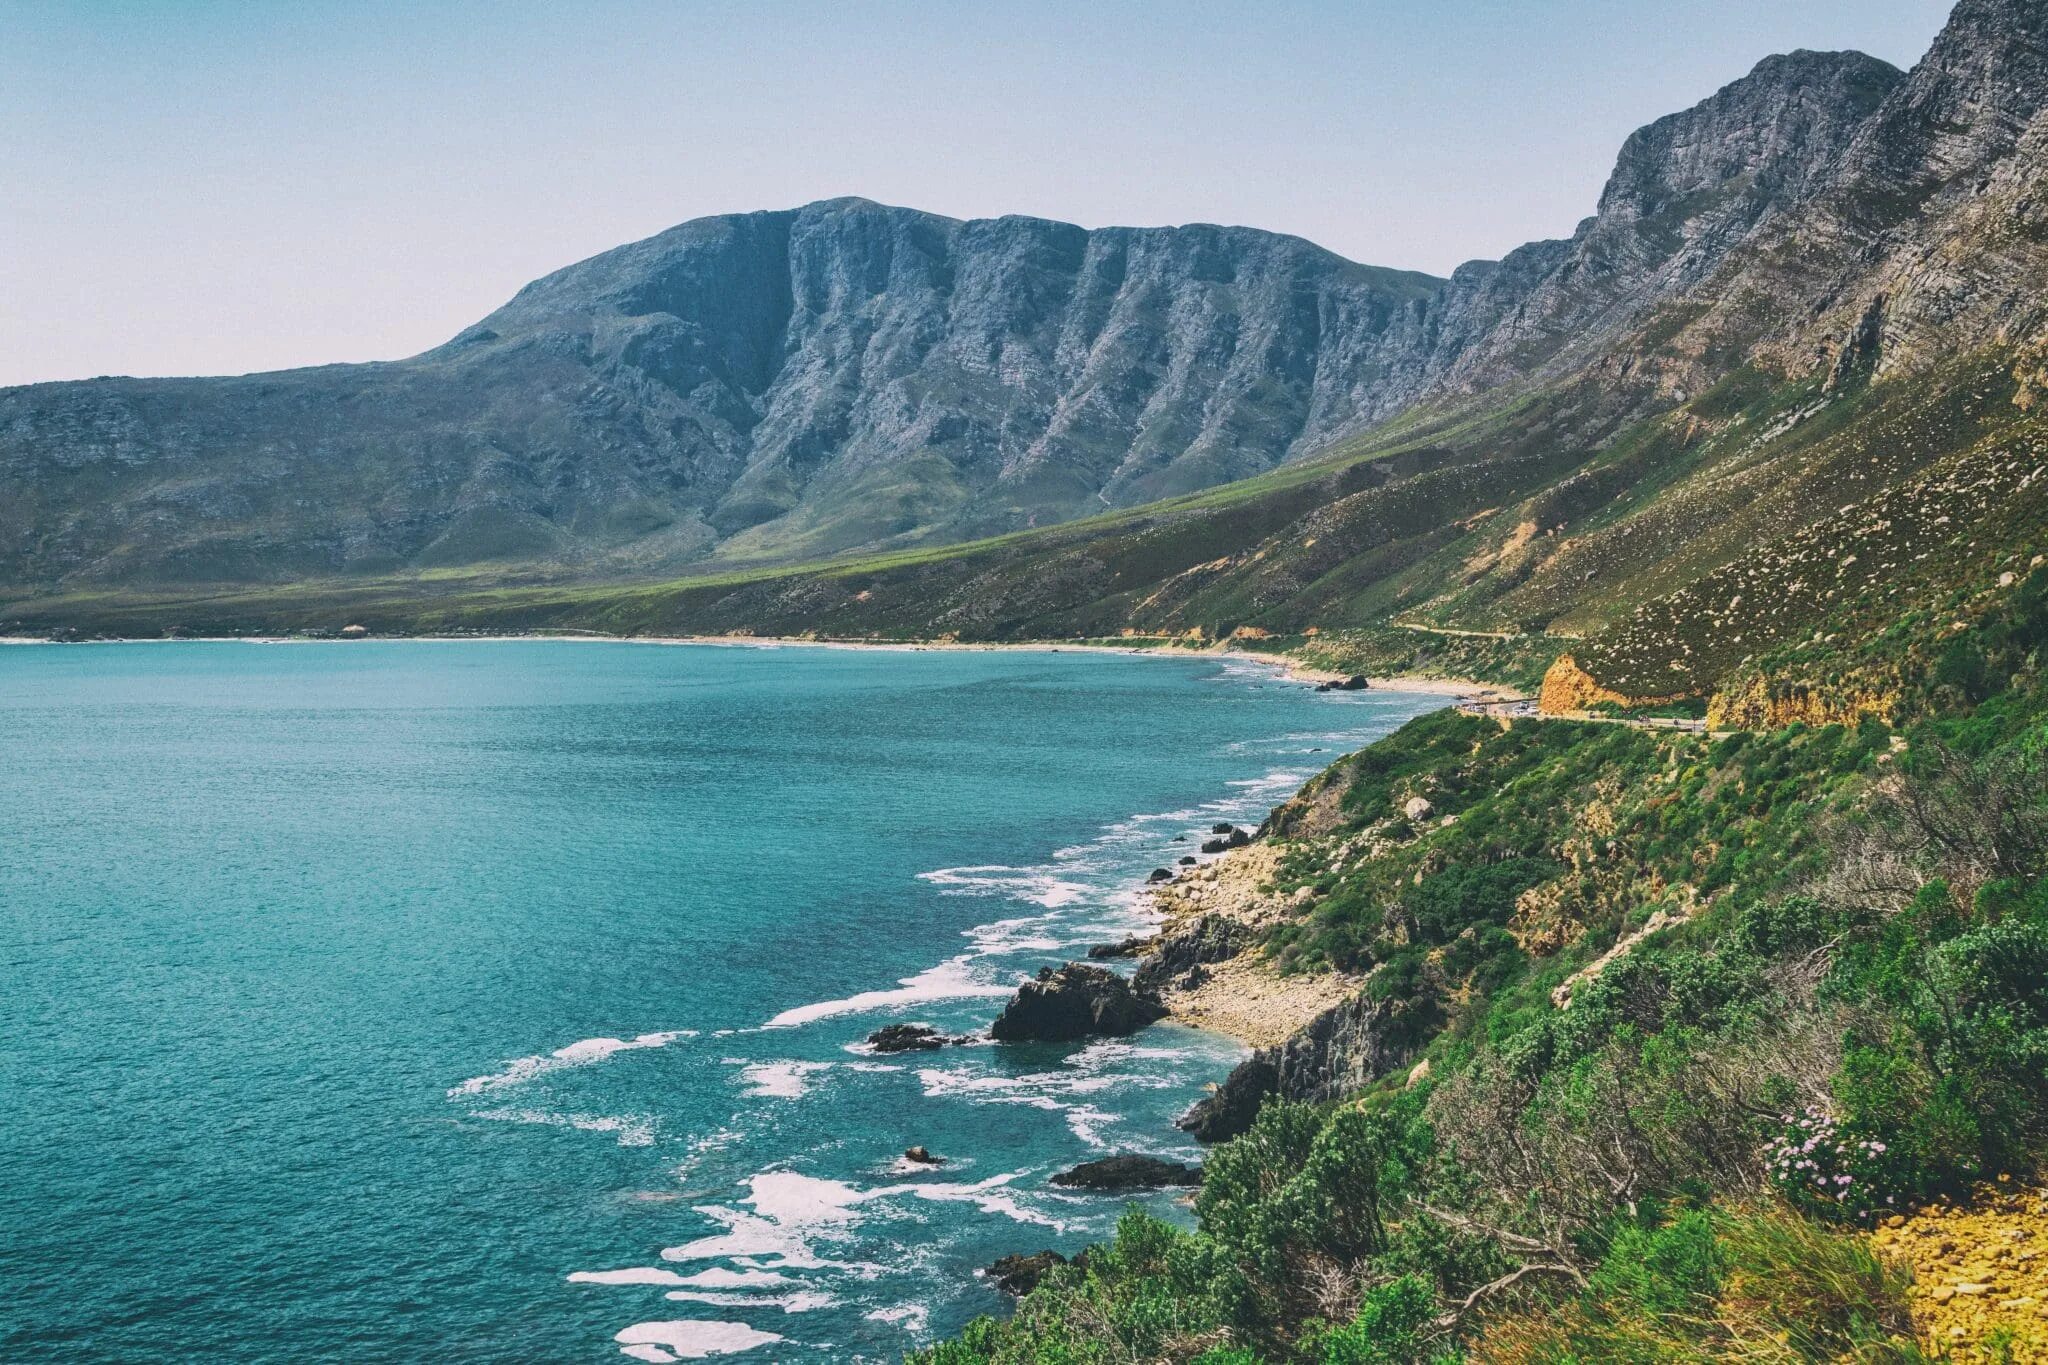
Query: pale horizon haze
column 212, row 187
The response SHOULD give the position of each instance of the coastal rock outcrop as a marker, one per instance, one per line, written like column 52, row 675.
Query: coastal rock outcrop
column 1075, row 1001
column 1227, row 838
column 1211, row 938
column 1129, row 1172
column 1342, row 1050
column 911, row 1038
column 1133, row 945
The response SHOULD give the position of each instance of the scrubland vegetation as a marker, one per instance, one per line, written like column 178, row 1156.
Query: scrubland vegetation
column 1671, row 1151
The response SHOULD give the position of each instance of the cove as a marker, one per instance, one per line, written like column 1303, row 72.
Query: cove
column 503, row 1001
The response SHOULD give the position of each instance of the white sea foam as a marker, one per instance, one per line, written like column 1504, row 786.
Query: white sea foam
column 807, row 1302
column 702, row 1147
column 1038, row 885
column 523, row 1069
column 987, row 1195
column 950, row 980
column 791, row 1212
column 718, row 1277
column 988, row 1087
column 639, row 1274
column 687, row 1340
column 781, row 1080
column 748, row 1236
column 1087, row 1122
column 633, row 1130
column 912, row 1317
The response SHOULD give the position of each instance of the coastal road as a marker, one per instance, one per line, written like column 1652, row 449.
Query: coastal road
column 1526, row 710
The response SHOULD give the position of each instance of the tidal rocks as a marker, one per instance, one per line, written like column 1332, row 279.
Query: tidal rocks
column 1075, row 1001
column 1020, row 1274
column 922, row 1155
column 1128, row 1173
column 1188, row 946
column 1230, row 836
column 1355, row 683
column 1187, row 860
column 1132, row 946
column 911, row 1038
column 1342, row 1050
column 1159, row 874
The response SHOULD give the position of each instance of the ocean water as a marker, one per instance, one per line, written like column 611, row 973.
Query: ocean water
column 504, row 1001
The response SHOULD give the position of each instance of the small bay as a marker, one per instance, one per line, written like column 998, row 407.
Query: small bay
column 502, row 1001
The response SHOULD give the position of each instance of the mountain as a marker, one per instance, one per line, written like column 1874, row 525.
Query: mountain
column 1775, row 401
column 766, row 385
column 773, row 387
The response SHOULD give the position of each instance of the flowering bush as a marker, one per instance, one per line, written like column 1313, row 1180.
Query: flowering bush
column 1821, row 1168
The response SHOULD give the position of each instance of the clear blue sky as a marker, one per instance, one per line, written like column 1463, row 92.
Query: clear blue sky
column 199, row 186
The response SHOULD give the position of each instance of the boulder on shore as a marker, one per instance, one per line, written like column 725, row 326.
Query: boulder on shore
column 1128, row 1173
column 1339, row 1052
column 1075, row 1001
column 911, row 1038
column 1019, row 1274
column 1160, row 874
column 1237, row 838
column 1212, row 938
column 1355, row 683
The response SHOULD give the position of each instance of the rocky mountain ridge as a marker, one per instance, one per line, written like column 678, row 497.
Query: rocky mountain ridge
column 771, row 387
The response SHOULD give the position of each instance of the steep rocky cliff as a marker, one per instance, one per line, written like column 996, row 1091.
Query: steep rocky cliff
column 771, row 387
column 1687, row 191
column 1340, row 1052
column 777, row 385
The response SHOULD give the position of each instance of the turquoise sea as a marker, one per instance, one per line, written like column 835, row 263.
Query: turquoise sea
column 502, row 1001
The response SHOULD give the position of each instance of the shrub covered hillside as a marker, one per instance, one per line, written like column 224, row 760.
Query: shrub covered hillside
column 1683, row 1017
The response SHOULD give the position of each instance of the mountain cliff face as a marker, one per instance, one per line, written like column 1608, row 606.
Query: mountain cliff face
column 1686, row 193
column 780, row 386
column 775, row 384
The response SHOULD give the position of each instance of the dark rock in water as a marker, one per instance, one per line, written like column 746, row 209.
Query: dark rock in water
column 1215, row 845
column 1076, row 1001
column 910, row 1038
column 1236, row 838
column 1355, row 683
column 1133, row 946
column 1230, row 1108
column 1187, row 860
column 1212, row 938
column 1222, row 829
column 1160, row 874
column 1019, row 1274
column 1128, row 1173
column 1341, row 1050
column 923, row 1156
